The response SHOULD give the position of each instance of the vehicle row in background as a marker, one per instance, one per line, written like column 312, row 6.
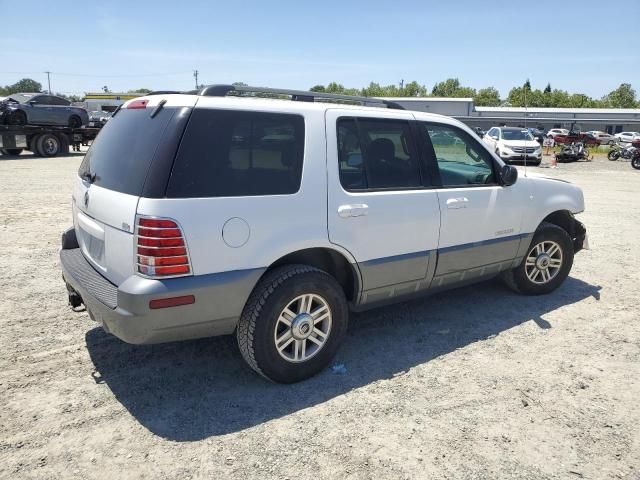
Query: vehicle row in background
column 41, row 109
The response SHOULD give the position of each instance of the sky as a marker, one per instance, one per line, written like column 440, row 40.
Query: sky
column 581, row 46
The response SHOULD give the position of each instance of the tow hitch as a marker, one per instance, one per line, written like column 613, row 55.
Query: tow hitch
column 75, row 300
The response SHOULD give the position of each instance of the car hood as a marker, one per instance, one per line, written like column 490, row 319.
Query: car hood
column 520, row 143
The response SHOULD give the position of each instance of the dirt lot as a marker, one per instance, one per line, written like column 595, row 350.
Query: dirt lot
column 474, row 383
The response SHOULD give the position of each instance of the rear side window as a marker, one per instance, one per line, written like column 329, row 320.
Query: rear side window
column 377, row 154
column 122, row 152
column 226, row 153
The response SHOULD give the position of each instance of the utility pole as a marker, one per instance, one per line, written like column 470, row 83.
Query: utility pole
column 195, row 74
column 401, row 84
column 49, row 81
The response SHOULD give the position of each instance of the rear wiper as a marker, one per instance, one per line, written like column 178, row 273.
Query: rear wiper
column 88, row 176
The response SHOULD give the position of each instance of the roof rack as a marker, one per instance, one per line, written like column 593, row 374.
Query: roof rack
column 296, row 95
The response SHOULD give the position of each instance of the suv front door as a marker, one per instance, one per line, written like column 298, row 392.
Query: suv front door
column 480, row 232
column 380, row 205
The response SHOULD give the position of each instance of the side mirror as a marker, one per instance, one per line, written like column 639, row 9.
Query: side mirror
column 508, row 175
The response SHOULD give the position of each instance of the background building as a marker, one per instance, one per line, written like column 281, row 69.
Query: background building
column 106, row 102
column 610, row 120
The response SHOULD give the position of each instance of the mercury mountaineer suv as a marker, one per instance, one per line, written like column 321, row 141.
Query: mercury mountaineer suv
column 217, row 212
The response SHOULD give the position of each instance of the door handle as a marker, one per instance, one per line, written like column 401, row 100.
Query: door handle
column 354, row 210
column 455, row 203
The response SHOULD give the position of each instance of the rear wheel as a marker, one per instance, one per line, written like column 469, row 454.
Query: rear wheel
column 293, row 323
column 547, row 263
column 75, row 122
column 635, row 162
column 48, row 145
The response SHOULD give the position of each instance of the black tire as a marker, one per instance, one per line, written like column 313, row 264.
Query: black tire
column 635, row 162
column 48, row 145
column 13, row 151
column 17, row 118
column 74, row 121
column 517, row 278
column 259, row 321
column 613, row 155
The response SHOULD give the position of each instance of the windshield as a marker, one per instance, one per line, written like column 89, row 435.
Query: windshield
column 22, row 97
column 516, row 135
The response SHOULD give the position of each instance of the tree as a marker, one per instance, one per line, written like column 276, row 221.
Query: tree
column 317, row 88
column 24, row 85
column 105, row 89
column 451, row 88
column 487, row 97
column 622, row 97
column 527, row 85
column 414, row 89
column 547, row 89
column 140, row 90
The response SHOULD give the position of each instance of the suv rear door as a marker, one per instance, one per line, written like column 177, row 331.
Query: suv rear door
column 380, row 207
column 131, row 157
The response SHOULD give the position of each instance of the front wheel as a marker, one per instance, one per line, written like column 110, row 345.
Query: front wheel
column 613, row 155
column 17, row 118
column 547, row 263
column 293, row 323
column 635, row 162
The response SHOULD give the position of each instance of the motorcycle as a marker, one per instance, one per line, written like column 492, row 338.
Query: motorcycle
column 573, row 152
column 617, row 152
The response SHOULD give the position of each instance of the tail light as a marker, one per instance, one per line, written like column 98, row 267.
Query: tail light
column 161, row 250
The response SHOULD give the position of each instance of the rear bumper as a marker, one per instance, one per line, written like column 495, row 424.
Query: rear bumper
column 124, row 310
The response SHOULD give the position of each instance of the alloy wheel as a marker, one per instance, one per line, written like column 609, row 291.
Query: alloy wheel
column 543, row 262
column 302, row 328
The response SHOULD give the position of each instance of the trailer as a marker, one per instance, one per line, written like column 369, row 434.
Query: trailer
column 44, row 141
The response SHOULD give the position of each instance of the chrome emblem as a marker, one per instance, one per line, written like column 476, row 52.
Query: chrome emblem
column 86, row 198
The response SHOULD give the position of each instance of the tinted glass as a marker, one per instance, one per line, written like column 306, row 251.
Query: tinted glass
column 377, row 153
column 461, row 159
column 121, row 154
column 235, row 153
column 58, row 101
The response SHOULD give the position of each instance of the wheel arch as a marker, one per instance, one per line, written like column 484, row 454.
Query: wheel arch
column 567, row 221
column 332, row 261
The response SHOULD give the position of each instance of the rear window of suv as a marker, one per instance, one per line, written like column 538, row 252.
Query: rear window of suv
column 226, row 153
column 121, row 154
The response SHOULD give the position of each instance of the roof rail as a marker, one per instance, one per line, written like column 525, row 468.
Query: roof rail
column 161, row 92
column 296, row 95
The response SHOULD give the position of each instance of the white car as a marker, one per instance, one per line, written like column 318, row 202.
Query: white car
column 208, row 214
column 628, row 137
column 557, row 131
column 603, row 137
column 514, row 144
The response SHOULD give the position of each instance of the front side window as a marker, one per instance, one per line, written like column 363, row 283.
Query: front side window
column 461, row 160
column 226, row 153
column 377, row 154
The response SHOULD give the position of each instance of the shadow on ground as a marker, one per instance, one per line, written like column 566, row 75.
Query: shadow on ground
column 32, row 156
column 192, row 390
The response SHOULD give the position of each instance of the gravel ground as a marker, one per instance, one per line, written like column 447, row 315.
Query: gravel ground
column 474, row 383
